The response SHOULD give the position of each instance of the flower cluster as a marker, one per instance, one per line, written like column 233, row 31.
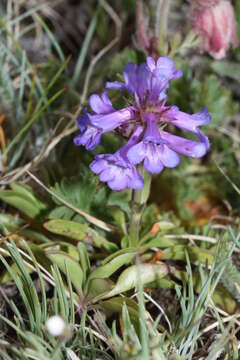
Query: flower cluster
column 145, row 120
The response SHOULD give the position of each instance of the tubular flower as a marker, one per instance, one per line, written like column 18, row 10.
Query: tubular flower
column 153, row 149
column 116, row 170
column 104, row 118
column 214, row 21
column 145, row 118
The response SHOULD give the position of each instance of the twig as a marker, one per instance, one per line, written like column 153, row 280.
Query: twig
column 93, row 220
column 161, row 309
column 231, row 134
column 192, row 237
column 216, row 324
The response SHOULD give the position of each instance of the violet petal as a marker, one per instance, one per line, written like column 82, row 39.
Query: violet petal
column 195, row 149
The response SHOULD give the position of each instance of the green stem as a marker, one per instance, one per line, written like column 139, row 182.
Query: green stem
column 139, row 201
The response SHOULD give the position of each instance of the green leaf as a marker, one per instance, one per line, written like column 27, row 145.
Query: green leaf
column 77, row 190
column 19, row 202
column 6, row 277
column 79, row 232
column 224, row 300
column 23, row 198
column 178, row 252
column 120, row 219
column 26, row 287
column 98, row 287
column 130, row 250
column 221, row 297
column 99, row 241
column 227, row 68
column 120, row 199
column 165, row 283
column 115, row 305
column 84, row 260
column 159, row 241
column 82, row 192
column 111, row 267
column 61, row 212
column 67, row 228
column 145, row 273
column 62, row 260
column 217, row 99
column 51, row 37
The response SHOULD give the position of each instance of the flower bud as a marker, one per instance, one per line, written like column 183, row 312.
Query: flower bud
column 214, row 21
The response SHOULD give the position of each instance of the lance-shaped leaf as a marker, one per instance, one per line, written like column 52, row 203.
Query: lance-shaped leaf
column 22, row 197
column 143, row 273
column 67, row 228
column 79, row 232
column 106, row 270
column 160, row 242
column 129, row 250
column 84, row 260
column 63, row 261
column 178, row 252
column 98, row 287
column 115, row 305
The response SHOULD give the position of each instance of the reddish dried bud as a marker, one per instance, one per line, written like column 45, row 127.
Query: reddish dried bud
column 214, row 21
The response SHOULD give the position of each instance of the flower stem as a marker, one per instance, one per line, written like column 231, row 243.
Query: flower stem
column 162, row 24
column 139, row 200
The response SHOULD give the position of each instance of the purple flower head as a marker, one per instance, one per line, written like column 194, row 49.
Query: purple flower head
column 116, row 170
column 143, row 121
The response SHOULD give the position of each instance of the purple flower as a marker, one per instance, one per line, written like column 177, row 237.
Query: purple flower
column 188, row 122
column 191, row 148
column 103, row 119
column 144, row 120
column 90, row 136
column 159, row 149
column 153, row 149
column 116, row 170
